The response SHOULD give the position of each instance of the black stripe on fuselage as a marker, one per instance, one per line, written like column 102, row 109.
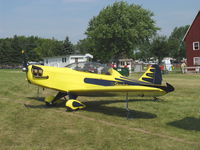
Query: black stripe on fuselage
column 126, row 82
column 102, row 82
column 99, row 82
column 168, row 88
column 131, row 81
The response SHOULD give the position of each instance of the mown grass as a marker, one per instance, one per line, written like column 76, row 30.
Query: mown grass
column 171, row 123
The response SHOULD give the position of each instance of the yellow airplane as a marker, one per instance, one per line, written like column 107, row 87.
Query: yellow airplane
column 94, row 79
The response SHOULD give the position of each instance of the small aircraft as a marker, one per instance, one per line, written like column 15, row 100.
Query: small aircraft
column 94, row 79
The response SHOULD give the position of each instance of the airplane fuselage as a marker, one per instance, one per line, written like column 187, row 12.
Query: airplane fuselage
column 91, row 84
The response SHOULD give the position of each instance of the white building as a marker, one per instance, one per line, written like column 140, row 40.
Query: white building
column 128, row 63
column 61, row 61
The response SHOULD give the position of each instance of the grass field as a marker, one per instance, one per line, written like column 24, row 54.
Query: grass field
column 173, row 123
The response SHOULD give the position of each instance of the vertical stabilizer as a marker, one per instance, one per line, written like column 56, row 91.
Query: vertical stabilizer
column 152, row 75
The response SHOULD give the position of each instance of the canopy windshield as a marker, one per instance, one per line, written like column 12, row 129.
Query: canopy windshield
column 92, row 67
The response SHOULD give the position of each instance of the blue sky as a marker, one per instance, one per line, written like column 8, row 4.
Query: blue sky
column 61, row 18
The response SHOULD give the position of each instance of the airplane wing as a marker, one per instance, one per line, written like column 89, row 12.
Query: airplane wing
column 119, row 90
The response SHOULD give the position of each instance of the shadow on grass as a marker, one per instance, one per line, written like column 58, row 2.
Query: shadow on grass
column 188, row 123
column 40, row 99
column 43, row 105
column 100, row 107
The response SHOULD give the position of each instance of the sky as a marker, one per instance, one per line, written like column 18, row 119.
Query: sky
column 60, row 18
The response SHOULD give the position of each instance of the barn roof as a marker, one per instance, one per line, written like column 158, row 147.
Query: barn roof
column 191, row 26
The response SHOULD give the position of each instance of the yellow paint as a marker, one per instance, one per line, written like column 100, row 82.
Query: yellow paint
column 70, row 104
column 145, row 76
column 69, row 80
column 49, row 99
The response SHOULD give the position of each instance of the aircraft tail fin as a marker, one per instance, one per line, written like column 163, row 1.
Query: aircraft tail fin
column 152, row 75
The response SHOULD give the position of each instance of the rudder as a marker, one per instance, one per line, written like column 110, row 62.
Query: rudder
column 152, row 75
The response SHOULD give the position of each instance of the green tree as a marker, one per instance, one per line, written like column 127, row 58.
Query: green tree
column 159, row 47
column 49, row 47
column 119, row 29
column 36, row 48
column 176, row 45
column 143, row 52
column 17, row 45
column 53, row 47
column 67, row 47
column 84, row 46
column 6, row 52
column 11, row 49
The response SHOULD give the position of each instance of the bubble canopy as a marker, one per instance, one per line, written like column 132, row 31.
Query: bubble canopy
column 91, row 67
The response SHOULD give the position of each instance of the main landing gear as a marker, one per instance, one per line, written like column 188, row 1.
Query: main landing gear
column 71, row 104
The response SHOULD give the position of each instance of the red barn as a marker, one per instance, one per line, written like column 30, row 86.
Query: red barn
column 192, row 42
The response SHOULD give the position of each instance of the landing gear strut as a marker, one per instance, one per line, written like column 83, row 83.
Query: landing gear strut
column 51, row 101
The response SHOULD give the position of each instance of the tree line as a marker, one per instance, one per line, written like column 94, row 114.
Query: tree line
column 120, row 30
column 35, row 48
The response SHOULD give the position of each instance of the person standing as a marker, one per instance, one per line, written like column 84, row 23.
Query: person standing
column 183, row 67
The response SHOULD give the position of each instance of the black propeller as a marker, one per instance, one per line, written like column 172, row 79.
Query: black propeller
column 25, row 62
